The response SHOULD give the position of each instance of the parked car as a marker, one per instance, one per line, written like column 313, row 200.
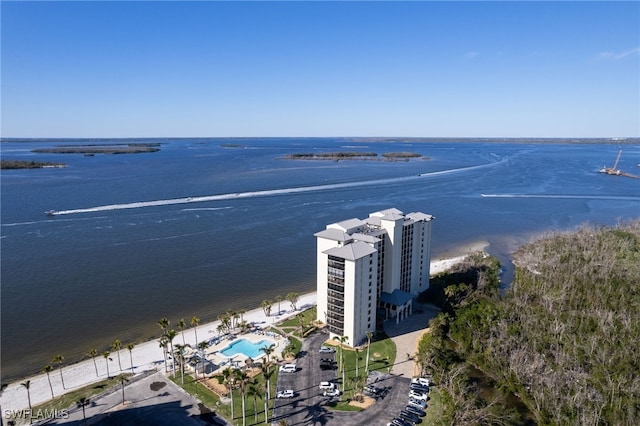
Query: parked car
column 327, row 385
column 417, row 403
column 397, row 421
column 420, row 388
column 415, row 410
column 413, row 418
column 285, row 394
column 326, row 350
column 418, row 395
column 421, row 380
column 327, row 364
column 332, row 392
column 372, row 390
column 288, row 368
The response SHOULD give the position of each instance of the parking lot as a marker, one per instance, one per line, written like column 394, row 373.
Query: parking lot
column 309, row 406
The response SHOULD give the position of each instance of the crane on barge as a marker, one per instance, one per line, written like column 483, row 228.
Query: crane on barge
column 614, row 171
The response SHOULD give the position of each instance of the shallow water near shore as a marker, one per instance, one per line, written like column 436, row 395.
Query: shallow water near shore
column 198, row 228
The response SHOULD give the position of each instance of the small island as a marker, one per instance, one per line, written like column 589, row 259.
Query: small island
column 354, row 155
column 20, row 164
column 90, row 150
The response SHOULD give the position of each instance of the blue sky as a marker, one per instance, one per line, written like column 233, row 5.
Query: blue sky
column 431, row 69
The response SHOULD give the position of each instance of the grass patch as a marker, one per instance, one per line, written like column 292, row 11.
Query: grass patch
column 435, row 410
column 382, row 355
column 70, row 399
column 308, row 316
column 213, row 401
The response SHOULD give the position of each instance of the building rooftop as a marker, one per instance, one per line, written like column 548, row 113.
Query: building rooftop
column 333, row 234
column 396, row 298
column 349, row 225
column 353, row 251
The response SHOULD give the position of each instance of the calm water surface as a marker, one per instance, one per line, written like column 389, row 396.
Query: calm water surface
column 83, row 279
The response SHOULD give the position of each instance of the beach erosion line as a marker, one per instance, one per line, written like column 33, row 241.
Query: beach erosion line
column 149, row 356
column 267, row 192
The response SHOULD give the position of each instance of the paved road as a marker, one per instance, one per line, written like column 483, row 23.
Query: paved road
column 309, row 407
column 152, row 400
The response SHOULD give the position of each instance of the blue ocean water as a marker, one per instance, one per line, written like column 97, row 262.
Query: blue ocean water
column 216, row 228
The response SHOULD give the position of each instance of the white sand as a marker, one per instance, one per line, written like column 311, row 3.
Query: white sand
column 149, row 355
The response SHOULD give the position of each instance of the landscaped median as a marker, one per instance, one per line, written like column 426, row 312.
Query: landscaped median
column 381, row 355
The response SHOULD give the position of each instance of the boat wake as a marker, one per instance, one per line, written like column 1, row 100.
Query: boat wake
column 266, row 193
column 564, row 196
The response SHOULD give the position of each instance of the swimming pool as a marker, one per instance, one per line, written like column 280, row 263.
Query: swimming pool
column 246, row 348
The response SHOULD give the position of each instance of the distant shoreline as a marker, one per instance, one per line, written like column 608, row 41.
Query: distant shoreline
column 20, row 164
column 101, row 149
column 366, row 139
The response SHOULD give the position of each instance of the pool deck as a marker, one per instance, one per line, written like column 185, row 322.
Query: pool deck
column 220, row 361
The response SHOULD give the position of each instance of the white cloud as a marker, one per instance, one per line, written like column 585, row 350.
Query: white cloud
column 471, row 55
column 619, row 55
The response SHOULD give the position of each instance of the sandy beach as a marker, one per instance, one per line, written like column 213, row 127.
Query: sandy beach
column 149, row 355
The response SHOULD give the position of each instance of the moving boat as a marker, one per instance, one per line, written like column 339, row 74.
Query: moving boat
column 51, row 212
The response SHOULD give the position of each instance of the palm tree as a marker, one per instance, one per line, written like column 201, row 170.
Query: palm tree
column 242, row 378
column 164, row 324
column 81, row 403
column 163, row 344
column 195, row 321
column 93, row 353
column 194, row 364
column 267, row 373
column 182, row 325
column 266, row 307
column 236, row 316
column 130, row 346
column 27, row 385
column 201, row 347
column 227, row 377
column 116, row 346
column 300, row 317
column 123, row 379
column 268, row 350
column 278, row 299
column 106, row 354
column 341, row 339
column 48, row 369
column 179, row 355
column 293, row 299
column 369, row 336
column 58, row 360
column 255, row 391
column 357, row 360
column 171, row 334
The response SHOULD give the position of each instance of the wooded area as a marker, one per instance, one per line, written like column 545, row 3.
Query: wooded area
column 559, row 347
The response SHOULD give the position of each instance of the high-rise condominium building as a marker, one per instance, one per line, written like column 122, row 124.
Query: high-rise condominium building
column 371, row 270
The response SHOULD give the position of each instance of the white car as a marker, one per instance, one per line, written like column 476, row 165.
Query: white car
column 418, row 395
column 327, row 386
column 326, row 350
column 420, row 380
column 417, row 403
column 288, row 368
column 332, row 392
column 285, row 394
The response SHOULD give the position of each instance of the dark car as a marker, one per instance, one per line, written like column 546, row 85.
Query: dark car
column 327, row 364
column 419, row 388
column 415, row 410
column 410, row 417
column 372, row 390
column 397, row 421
